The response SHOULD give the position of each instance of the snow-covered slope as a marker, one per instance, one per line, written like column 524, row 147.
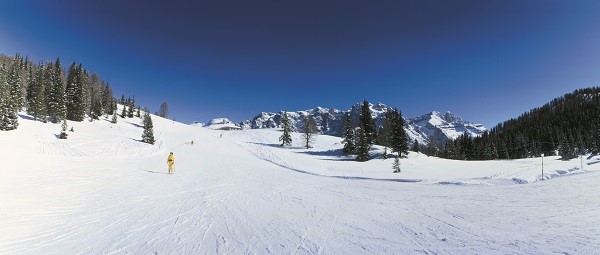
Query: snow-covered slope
column 102, row 191
column 432, row 126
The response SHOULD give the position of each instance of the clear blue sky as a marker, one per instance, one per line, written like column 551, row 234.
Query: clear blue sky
column 486, row 61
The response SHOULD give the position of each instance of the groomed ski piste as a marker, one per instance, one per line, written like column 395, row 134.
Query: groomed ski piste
column 102, row 191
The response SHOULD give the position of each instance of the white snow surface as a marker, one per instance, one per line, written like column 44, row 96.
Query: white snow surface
column 102, row 191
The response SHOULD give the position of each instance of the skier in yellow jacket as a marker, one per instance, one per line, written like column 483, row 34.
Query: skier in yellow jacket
column 171, row 162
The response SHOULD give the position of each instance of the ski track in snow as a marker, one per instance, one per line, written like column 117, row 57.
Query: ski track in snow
column 236, row 195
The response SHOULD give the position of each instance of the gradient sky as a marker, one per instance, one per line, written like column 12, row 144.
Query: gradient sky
column 486, row 61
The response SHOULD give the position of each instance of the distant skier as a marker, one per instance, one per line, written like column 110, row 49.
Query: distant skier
column 192, row 142
column 171, row 162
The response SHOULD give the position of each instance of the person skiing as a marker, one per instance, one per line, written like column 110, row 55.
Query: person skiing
column 171, row 162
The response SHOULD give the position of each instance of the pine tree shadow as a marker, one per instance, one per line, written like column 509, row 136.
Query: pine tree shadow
column 26, row 117
column 136, row 125
column 268, row 144
column 332, row 155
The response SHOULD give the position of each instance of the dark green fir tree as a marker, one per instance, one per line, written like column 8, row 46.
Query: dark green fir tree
column 74, row 94
column 148, row 135
column 8, row 112
column 349, row 147
column 36, row 95
column 367, row 134
column 286, row 137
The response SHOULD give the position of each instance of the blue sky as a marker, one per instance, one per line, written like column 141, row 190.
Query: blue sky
column 486, row 61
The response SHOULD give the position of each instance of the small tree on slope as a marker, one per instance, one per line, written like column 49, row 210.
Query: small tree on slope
column 148, row 135
column 63, row 133
column 309, row 130
column 396, row 165
column 286, row 138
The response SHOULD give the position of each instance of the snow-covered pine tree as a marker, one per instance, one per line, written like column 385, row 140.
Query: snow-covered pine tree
column 309, row 130
column 86, row 91
column 396, row 165
column 148, row 135
column 108, row 99
column 8, row 113
column 124, row 111
column 137, row 113
column 131, row 108
column 75, row 93
column 349, row 147
column 96, row 97
column 55, row 91
column 14, row 82
column 286, row 138
column 63, row 133
column 36, row 98
column 114, row 118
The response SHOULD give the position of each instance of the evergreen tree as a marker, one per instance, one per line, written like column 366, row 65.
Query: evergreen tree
column 348, row 141
column 398, row 139
column 309, row 130
column 137, row 113
column 362, row 146
column 415, row 146
column 131, row 108
column 164, row 110
column 74, row 93
column 431, row 149
column 396, row 165
column 124, row 111
column 368, row 124
column 148, row 135
column 55, row 92
column 36, row 96
column 96, row 97
column 566, row 149
column 114, row 118
column 286, row 138
column 86, row 92
column 385, row 133
column 108, row 101
column 14, row 82
column 366, row 133
column 8, row 114
column 63, row 133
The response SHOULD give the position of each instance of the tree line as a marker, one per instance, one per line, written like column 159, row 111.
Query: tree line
column 567, row 126
column 50, row 93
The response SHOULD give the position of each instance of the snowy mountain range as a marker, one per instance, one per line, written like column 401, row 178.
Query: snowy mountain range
column 433, row 126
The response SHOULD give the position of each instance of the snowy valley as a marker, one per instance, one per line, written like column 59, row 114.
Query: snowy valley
column 102, row 191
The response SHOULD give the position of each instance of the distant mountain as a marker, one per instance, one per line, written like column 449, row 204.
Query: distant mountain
column 217, row 123
column 434, row 125
column 442, row 127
